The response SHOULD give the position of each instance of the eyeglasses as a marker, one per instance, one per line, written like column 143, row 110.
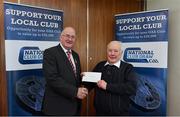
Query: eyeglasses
column 69, row 36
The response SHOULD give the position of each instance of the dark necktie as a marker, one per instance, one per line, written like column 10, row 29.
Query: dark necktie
column 70, row 61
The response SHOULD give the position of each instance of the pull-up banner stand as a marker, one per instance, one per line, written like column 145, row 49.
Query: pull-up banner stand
column 28, row 31
column 145, row 45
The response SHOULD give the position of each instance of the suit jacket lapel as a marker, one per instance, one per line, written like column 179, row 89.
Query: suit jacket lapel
column 76, row 62
column 75, row 59
column 63, row 54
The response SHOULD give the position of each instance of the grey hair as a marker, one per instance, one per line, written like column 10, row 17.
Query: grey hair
column 118, row 42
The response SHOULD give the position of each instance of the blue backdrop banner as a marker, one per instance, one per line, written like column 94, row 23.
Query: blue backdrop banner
column 29, row 31
column 145, row 45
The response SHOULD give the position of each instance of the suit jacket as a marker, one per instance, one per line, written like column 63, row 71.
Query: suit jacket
column 61, row 84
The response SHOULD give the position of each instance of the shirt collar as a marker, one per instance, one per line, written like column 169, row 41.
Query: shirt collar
column 117, row 64
column 64, row 49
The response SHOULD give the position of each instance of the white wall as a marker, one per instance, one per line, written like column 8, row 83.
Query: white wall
column 173, row 81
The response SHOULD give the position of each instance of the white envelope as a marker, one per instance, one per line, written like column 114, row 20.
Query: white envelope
column 91, row 76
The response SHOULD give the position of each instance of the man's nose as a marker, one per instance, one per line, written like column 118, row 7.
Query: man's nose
column 70, row 39
column 112, row 52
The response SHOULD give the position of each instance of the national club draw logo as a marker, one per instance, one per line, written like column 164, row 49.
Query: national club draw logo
column 138, row 55
column 30, row 55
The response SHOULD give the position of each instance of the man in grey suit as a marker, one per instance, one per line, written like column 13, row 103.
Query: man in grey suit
column 61, row 67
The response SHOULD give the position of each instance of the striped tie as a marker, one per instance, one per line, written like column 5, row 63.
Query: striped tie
column 69, row 58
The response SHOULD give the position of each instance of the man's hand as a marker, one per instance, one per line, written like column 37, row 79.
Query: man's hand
column 82, row 74
column 82, row 92
column 102, row 84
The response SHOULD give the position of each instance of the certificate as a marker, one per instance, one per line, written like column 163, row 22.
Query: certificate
column 91, row 76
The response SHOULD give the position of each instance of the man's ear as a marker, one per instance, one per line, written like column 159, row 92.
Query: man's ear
column 121, row 52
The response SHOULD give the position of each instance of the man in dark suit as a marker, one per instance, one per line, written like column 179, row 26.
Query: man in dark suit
column 117, row 84
column 61, row 67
